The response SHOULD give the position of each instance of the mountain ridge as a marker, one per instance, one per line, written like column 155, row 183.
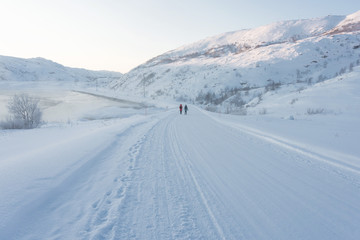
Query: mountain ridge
column 250, row 38
column 41, row 69
column 222, row 67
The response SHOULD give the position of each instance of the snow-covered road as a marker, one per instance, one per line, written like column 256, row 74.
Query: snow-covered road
column 171, row 176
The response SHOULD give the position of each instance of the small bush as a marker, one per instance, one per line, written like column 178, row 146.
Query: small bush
column 237, row 101
column 272, row 86
column 311, row 111
column 240, row 111
column 211, row 108
column 24, row 113
column 294, row 101
column 11, row 123
column 263, row 111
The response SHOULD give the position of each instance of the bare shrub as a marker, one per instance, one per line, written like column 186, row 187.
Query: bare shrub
column 24, row 113
column 272, row 86
column 263, row 111
column 237, row 101
column 322, row 78
column 351, row 67
column 312, row 111
column 211, row 108
column 300, row 89
column 11, row 123
column 240, row 111
column 294, row 101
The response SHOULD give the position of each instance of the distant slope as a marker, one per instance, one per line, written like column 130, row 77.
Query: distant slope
column 244, row 40
column 349, row 24
column 235, row 68
column 39, row 69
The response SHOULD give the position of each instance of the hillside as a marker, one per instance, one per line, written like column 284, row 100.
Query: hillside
column 41, row 70
column 233, row 69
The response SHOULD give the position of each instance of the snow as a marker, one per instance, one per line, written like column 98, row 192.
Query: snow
column 352, row 18
column 116, row 171
column 290, row 52
column 115, row 160
column 272, row 33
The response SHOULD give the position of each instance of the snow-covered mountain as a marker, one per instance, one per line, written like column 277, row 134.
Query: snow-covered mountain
column 40, row 69
column 234, row 68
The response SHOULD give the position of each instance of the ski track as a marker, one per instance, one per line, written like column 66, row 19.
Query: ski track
column 172, row 192
column 346, row 166
column 189, row 177
column 160, row 194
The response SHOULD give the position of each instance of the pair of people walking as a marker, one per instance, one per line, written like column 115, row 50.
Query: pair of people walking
column 185, row 108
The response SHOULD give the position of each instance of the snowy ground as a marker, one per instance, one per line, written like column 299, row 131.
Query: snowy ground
column 101, row 169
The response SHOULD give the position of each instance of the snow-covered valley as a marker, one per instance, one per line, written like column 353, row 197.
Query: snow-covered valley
column 114, row 159
column 151, row 173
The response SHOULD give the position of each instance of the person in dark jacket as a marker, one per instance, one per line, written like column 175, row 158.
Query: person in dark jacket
column 186, row 109
column 180, row 107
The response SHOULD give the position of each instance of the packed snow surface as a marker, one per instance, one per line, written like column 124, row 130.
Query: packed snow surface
column 151, row 173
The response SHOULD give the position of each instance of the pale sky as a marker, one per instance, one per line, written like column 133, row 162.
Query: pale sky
column 118, row 35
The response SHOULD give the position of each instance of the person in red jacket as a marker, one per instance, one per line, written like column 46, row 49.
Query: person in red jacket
column 180, row 108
